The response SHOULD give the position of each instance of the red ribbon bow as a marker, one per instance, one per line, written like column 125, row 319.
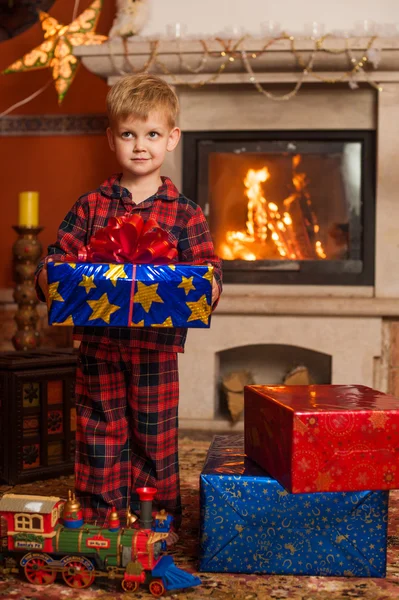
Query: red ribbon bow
column 129, row 239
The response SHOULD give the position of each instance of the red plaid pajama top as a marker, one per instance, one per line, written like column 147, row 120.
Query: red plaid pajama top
column 188, row 230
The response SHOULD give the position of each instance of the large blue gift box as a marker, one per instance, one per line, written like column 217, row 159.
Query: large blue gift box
column 128, row 295
column 250, row 524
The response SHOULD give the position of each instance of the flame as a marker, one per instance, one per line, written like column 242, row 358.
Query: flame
column 256, row 208
column 265, row 225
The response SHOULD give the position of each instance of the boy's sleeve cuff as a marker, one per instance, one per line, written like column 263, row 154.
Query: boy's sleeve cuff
column 38, row 289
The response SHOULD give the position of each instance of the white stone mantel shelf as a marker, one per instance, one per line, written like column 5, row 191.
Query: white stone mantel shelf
column 236, row 303
column 277, row 65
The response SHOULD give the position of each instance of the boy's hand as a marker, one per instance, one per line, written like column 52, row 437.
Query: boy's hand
column 42, row 279
column 215, row 291
column 215, row 288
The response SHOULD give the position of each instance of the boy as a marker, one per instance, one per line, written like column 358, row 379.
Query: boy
column 127, row 378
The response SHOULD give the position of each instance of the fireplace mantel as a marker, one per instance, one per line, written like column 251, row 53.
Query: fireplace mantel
column 279, row 64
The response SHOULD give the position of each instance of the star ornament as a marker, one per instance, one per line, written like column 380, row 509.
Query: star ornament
column 56, row 52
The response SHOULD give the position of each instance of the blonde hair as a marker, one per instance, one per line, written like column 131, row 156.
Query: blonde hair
column 137, row 95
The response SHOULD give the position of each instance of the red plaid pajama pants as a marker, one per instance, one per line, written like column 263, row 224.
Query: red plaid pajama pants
column 127, row 407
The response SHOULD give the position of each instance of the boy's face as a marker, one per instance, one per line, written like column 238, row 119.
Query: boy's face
column 140, row 146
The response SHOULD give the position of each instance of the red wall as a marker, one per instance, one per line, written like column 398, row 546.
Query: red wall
column 60, row 168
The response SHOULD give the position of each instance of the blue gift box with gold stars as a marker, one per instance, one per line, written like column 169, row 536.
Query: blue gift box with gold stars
column 127, row 295
column 250, row 524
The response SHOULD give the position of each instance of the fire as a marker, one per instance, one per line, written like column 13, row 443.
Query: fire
column 270, row 227
column 256, row 207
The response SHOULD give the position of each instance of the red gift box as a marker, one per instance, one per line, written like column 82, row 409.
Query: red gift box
column 324, row 438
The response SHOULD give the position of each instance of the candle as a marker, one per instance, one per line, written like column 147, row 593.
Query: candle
column 28, row 209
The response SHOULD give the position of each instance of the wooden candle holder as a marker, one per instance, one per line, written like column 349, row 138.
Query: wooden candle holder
column 26, row 252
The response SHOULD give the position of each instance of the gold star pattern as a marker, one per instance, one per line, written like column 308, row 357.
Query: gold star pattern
column 114, row 273
column 209, row 274
column 146, row 295
column 139, row 324
column 53, row 293
column 56, row 52
column 299, row 425
column 187, row 284
column 173, row 267
column 68, row 321
column 88, row 283
column 102, row 309
column 378, row 419
column 167, row 323
column 323, row 481
column 200, row 310
column 72, row 265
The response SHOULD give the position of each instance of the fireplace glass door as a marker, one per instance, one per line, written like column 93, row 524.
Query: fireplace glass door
column 289, row 209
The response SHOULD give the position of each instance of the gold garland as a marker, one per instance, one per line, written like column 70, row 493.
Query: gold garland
column 269, row 95
column 144, row 68
column 153, row 54
column 235, row 50
column 202, row 62
column 212, row 78
column 357, row 64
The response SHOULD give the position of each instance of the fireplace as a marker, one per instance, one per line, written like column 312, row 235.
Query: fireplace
column 289, row 207
column 351, row 330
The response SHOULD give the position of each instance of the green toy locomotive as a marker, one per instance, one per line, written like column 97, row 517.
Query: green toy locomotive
column 53, row 539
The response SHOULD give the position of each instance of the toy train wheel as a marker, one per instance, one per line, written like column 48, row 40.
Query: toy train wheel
column 37, row 571
column 157, row 588
column 77, row 574
column 130, row 586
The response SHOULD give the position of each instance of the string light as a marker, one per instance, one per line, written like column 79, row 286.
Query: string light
column 227, row 54
column 231, row 51
column 143, row 69
column 269, row 95
column 202, row 62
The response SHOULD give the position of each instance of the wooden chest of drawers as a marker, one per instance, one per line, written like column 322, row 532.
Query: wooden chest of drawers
column 37, row 414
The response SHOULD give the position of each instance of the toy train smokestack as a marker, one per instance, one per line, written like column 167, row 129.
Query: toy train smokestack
column 146, row 495
column 72, row 513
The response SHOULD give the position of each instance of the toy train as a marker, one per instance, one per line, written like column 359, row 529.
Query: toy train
column 53, row 538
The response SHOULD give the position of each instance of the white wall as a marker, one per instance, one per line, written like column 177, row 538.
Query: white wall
column 211, row 16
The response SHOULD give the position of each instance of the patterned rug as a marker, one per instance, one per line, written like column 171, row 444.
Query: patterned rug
column 215, row 586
